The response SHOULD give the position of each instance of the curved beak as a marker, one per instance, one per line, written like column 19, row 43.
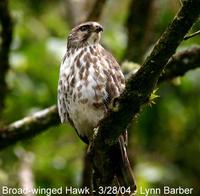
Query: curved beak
column 98, row 29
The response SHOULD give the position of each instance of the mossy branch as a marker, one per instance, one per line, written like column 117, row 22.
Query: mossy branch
column 138, row 89
column 140, row 86
column 29, row 126
column 181, row 63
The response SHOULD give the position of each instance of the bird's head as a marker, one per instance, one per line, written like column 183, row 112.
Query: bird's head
column 84, row 34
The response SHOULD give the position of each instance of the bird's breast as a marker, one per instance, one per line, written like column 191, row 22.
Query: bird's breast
column 86, row 85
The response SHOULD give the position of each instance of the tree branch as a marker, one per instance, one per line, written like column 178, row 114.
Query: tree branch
column 181, row 63
column 137, row 92
column 5, row 42
column 140, row 86
column 29, row 126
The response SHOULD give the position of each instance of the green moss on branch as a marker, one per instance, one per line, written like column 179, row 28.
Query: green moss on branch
column 29, row 126
column 138, row 89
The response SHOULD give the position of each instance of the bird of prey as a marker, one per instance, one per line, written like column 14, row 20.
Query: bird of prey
column 90, row 78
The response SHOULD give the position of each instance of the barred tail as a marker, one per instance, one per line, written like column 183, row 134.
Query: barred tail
column 124, row 172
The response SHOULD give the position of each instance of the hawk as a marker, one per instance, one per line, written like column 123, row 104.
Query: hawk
column 90, row 78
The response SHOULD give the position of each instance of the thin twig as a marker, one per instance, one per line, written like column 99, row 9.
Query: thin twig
column 191, row 35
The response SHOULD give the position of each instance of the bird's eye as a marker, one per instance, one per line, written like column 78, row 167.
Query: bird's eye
column 83, row 28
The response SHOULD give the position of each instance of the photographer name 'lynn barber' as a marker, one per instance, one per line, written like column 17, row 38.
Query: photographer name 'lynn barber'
column 166, row 190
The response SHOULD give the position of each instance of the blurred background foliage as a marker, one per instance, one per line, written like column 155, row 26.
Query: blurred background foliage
column 164, row 144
